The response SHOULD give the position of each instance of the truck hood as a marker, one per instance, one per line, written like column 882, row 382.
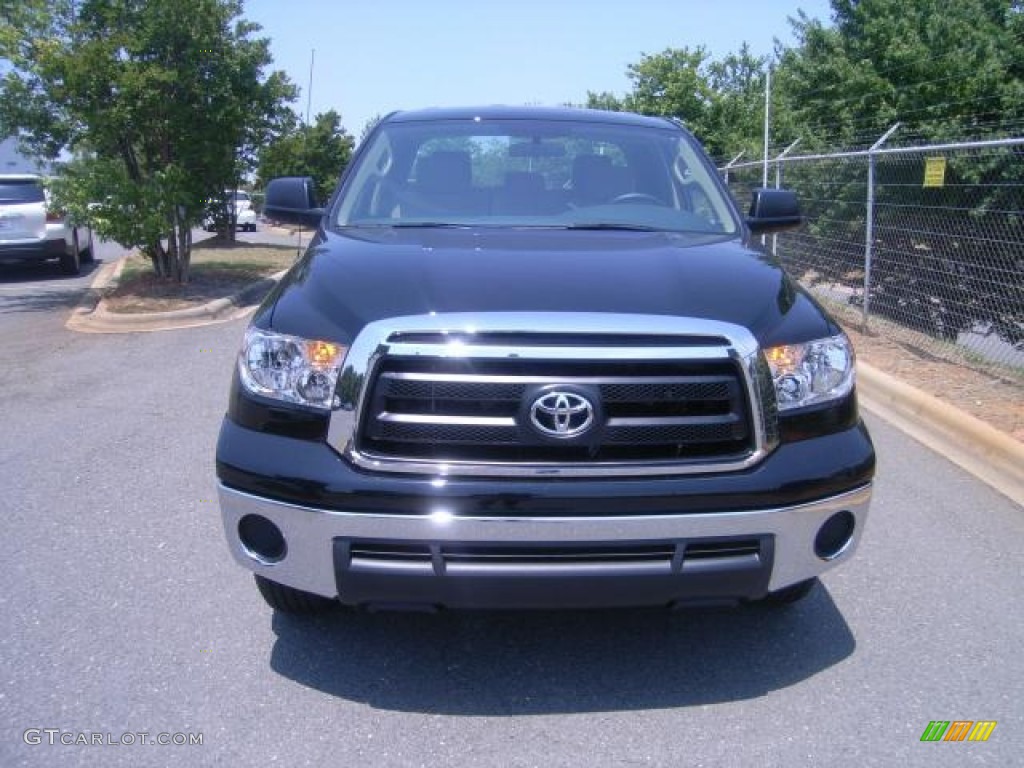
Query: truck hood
column 346, row 280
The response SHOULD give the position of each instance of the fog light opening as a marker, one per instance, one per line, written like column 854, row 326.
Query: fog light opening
column 835, row 535
column 263, row 540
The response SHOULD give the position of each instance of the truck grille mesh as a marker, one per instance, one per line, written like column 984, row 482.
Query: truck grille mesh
column 675, row 554
column 458, row 410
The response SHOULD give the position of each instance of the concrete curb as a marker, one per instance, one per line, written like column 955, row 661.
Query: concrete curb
column 92, row 316
column 990, row 455
column 105, row 279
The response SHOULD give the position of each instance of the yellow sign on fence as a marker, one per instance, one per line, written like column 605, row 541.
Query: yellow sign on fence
column 934, row 171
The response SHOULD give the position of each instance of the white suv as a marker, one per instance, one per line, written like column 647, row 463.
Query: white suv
column 245, row 216
column 29, row 231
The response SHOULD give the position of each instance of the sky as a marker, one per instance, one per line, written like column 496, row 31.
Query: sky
column 371, row 57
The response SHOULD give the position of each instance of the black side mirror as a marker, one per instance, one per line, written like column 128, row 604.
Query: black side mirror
column 773, row 210
column 292, row 200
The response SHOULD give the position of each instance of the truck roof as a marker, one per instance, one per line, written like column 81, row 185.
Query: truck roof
column 499, row 112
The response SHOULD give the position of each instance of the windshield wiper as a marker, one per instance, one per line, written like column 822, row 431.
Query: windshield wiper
column 612, row 225
column 405, row 225
column 427, row 225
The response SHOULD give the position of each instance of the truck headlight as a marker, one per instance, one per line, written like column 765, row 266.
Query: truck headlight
column 810, row 373
column 290, row 368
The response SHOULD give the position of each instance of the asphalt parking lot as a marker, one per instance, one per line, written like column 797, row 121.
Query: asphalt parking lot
column 125, row 614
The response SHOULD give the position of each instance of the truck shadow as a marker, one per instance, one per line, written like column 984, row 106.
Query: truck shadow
column 542, row 663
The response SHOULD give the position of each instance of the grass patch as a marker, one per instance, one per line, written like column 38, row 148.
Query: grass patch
column 218, row 269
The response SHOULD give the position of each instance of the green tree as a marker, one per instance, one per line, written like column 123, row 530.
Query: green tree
column 608, row 101
column 945, row 72
column 672, row 83
column 735, row 115
column 160, row 102
column 321, row 150
column 720, row 101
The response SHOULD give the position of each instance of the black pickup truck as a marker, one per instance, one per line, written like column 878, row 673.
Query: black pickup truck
column 536, row 358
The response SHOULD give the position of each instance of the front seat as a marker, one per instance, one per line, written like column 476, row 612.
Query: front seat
column 596, row 180
column 444, row 183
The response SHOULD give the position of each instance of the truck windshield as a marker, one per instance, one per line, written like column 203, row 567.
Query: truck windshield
column 530, row 173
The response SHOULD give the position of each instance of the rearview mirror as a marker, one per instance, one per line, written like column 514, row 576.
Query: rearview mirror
column 292, row 200
column 535, row 148
column 773, row 210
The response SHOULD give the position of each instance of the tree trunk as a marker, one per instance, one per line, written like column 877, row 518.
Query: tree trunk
column 159, row 257
column 232, row 226
column 153, row 258
column 179, row 242
column 172, row 248
column 184, row 248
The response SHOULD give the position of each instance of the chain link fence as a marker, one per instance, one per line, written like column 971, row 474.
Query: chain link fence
column 922, row 244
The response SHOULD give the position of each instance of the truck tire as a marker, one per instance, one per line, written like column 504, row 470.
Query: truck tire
column 291, row 600
column 791, row 594
column 70, row 263
column 88, row 255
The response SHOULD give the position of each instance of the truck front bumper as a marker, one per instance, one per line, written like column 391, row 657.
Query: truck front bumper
column 15, row 251
column 476, row 561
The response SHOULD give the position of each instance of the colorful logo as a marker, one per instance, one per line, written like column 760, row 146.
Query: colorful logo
column 958, row 730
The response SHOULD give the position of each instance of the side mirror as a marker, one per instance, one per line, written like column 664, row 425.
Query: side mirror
column 292, row 200
column 773, row 210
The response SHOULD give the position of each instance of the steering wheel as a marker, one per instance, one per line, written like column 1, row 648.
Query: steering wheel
column 637, row 197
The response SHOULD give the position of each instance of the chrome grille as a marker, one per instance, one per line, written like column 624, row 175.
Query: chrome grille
column 472, row 395
column 438, row 410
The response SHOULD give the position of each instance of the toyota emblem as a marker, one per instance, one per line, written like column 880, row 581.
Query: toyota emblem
column 561, row 414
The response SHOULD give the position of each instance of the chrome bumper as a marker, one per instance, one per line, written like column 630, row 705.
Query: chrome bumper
column 309, row 561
